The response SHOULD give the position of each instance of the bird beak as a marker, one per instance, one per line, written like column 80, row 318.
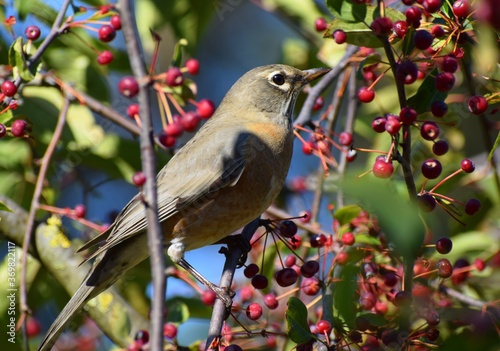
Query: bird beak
column 312, row 74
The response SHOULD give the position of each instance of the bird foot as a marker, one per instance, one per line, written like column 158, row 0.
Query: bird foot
column 225, row 295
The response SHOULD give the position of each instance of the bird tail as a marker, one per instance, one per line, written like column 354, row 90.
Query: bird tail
column 81, row 296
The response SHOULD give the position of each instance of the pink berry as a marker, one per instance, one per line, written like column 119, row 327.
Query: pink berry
column 339, row 36
column 205, row 108
column 378, row 124
column 254, row 311
column 400, row 28
column 139, row 178
column 128, row 87
column 467, row 165
column 365, row 94
column 105, row 57
column 106, row 33
column 9, row 88
column 382, row 169
column 431, row 168
column 308, row 147
column 270, row 301
column 310, row 286
column 342, row 258
column 477, row 104
column 174, row 77
column 193, row 66
column 437, row 31
column 348, row 239
column 116, row 22
column 80, row 211
column 18, row 128
column 432, row 6
column 407, row 115
column 479, row 264
column 413, row 14
column 208, row 297
column 290, row 260
column 320, row 24
column 324, row 327
column 32, row 32
column 190, row 121
column 381, row 26
column 319, row 103
column 393, row 124
column 169, row 330
column 166, row 140
column 174, row 129
column 345, row 138
column 33, row 327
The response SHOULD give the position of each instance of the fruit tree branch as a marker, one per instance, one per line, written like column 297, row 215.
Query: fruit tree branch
column 148, row 158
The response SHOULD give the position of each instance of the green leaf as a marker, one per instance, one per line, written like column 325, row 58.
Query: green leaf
column 6, row 116
column 426, row 94
column 347, row 213
column 345, row 290
column 375, row 319
column 297, row 327
column 177, row 56
column 18, row 61
column 4, row 207
column 178, row 312
column 347, row 10
column 358, row 32
column 367, row 239
column 23, row 7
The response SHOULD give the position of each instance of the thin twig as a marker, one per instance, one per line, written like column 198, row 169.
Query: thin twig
column 305, row 112
column 148, row 158
column 35, row 203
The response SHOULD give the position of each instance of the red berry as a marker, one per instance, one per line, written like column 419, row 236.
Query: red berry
column 432, row 334
column 246, row 293
column 319, row 103
column 208, row 297
column 459, row 278
column 270, row 301
column 351, row 155
column 472, row 206
column 19, row 127
column 431, row 168
column 142, row 337
column 444, row 245
column 128, row 87
column 444, row 268
column 106, row 33
column 116, row 22
column 133, row 110
column 378, row 124
column 423, row 39
column 309, row 268
column 290, row 260
column 169, row 330
column 251, row 270
column 308, row 147
column 318, row 240
column 408, row 115
column 33, row 327
column 324, row 327
column 9, row 88
column 381, row 26
column 432, row 318
column 449, row 64
column 105, row 57
column 205, row 108
column 477, row 104
column 440, row 148
column 348, row 239
column 310, row 286
column 479, row 264
column 339, row 36
column 321, row 24
column 445, row 81
column 3, row 130
column 190, row 121
column 437, row 31
column 432, row 6
column 426, row 202
column 80, row 211
column 367, row 300
column 439, row 108
column 390, row 279
column 467, row 165
column 260, row 282
column 254, row 311
column 407, row 72
column 286, row 277
column 32, row 32
column 345, row 138
column 365, row 94
column 342, row 258
column 382, row 169
column 166, row 140
column 429, row 130
column 174, row 129
column 400, row 29
column 174, row 77
column 193, row 66
column 139, row 178
column 413, row 14
column 402, row 299
column 461, row 8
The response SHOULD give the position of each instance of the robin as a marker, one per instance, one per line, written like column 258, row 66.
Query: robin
column 223, row 178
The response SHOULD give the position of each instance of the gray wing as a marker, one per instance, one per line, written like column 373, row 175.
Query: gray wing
column 189, row 177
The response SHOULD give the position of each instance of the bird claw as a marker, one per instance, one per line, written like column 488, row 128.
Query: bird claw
column 225, row 295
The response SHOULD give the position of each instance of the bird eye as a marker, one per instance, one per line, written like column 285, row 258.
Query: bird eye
column 278, row 79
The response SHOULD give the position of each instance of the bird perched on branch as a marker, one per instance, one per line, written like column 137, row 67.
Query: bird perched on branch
column 223, row 178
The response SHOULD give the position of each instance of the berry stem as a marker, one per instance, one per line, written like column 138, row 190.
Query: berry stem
column 445, row 179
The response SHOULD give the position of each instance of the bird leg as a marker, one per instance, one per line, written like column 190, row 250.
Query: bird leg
column 223, row 294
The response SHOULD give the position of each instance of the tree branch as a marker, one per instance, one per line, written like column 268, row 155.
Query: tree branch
column 148, row 157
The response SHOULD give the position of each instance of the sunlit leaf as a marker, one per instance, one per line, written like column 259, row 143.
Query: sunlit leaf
column 297, row 327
